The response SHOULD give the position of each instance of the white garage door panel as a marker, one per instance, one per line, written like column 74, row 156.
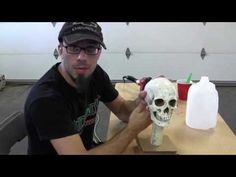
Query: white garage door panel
column 25, row 66
column 170, row 49
column 114, row 64
column 217, row 67
column 140, row 65
column 165, row 37
column 220, row 67
column 173, row 66
column 28, row 37
column 220, row 37
column 115, row 36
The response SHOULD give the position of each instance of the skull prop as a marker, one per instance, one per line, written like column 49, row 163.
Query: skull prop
column 162, row 100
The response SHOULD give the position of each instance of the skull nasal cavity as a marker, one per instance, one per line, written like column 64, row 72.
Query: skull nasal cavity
column 166, row 110
column 159, row 102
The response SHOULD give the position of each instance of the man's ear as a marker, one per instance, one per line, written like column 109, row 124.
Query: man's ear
column 99, row 53
column 59, row 49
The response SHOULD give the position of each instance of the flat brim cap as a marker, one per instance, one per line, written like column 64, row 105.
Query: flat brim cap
column 76, row 37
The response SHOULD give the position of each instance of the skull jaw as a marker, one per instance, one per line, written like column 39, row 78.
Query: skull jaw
column 162, row 122
column 160, row 118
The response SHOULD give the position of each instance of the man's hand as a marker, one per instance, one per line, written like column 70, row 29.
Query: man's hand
column 140, row 117
column 123, row 108
column 141, row 98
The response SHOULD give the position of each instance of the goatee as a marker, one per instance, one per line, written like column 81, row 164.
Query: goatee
column 82, row 83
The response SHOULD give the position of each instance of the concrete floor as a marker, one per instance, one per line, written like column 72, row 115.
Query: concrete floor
column 13, row 96
column 227, row 102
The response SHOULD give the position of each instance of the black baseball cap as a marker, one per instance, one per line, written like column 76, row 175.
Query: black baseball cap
column 72, row 32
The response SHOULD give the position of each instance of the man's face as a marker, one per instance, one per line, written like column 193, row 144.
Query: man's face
column 80, row 59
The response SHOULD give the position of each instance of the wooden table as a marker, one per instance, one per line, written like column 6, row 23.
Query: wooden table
column 220, row 140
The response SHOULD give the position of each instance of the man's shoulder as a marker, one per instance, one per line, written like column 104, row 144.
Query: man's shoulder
column 45, row 90
column 99, row 69
column 39, row 92
column 100, row 73
column 48, row 86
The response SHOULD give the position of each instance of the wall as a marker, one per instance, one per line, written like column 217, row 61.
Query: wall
column 170, row 49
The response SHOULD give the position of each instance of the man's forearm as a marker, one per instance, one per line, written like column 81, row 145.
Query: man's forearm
column 116, row 145
column 126, row 110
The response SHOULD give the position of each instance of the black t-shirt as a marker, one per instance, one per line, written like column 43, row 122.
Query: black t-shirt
column 54, row 109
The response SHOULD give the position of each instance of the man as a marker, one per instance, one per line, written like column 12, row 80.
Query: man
column 61, row 108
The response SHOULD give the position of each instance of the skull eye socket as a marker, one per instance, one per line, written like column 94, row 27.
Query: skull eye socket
column 159, row 102
column 172, row 103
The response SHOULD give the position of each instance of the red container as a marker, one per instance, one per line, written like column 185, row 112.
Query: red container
column 183, row 88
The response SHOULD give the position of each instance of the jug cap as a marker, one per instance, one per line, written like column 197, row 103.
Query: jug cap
column 204, row 79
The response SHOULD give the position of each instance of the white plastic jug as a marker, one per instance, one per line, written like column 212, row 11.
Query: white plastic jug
column 202, row 105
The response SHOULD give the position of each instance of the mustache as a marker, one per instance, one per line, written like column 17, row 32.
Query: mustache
column 80, row 64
